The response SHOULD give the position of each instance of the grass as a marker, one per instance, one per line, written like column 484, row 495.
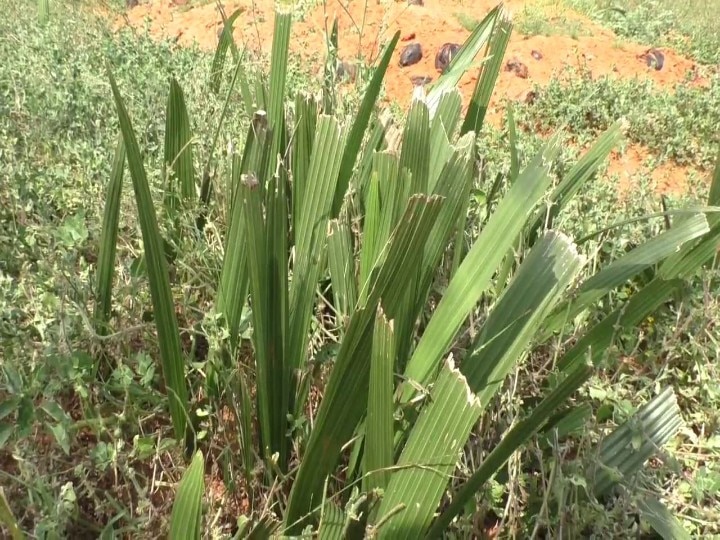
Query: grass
column 547, row 18
column 81, row 456
column 687, row 27
column 468, row 22
column 673, row 123
column 57, row 130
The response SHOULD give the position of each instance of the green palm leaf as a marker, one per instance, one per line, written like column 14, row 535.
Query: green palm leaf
column 173, row 362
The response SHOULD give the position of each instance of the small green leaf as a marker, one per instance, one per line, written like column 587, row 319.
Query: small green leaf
column 662, row 520
column 144, row 447
column 60, row 433
column 14, row 379
column 6, row 516
column 5, row 431
column 56, row 412
column 73, row 231
column 186, row 518
column 9, row 406
column 26, row 414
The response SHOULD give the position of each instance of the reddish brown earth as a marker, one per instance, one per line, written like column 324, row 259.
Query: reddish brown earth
column 667, row 177
column 365, row 25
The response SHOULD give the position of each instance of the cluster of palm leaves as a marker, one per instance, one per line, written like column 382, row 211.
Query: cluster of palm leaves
column 379, row 212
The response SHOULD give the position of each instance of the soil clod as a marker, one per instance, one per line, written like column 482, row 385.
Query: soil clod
column 420, row 80
column 346, row 71
column 445, row 55
column 411, row 54
column 416, row 3
column 198, row 25
column 528, row 96
column 654, row 59
column 517, row 67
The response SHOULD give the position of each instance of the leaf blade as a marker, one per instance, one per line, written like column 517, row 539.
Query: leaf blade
column 379, row 424
column 179, row 170
column 357, row 132
column 473, row 276
column 108, row 241
column 429, row 457
column 345, row 398
column 173, row 365
column 186, row 517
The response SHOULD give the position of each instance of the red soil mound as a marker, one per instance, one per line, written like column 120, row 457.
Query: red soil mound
column 364, row 27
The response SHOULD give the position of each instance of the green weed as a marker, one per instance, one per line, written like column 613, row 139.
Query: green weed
column 89, row 455
column 690, row 28
column 466, row 21
column 533, row 20
column 678, row 123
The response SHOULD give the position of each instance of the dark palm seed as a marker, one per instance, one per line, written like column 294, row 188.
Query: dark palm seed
column 411, row 54
column 445, row 55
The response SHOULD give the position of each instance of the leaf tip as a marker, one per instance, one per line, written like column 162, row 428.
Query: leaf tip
column 259, row 120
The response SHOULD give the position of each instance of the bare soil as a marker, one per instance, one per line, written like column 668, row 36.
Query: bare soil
column 366, row 25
